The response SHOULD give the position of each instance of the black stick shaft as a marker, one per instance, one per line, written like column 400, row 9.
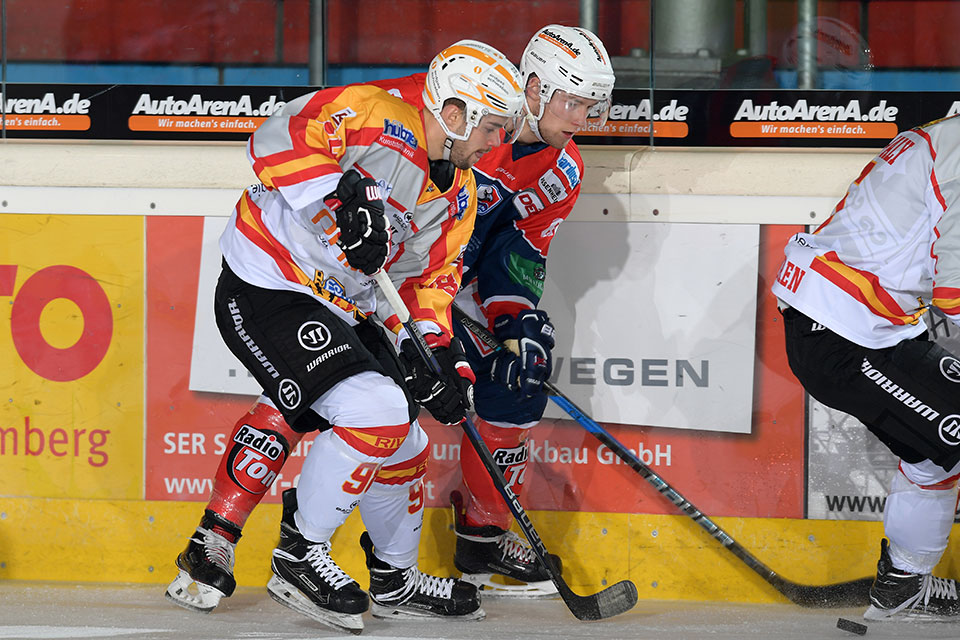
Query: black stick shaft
column 609, row 602
column 852, row 593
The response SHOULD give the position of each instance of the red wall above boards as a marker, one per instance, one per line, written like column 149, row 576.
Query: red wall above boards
column 900, row 33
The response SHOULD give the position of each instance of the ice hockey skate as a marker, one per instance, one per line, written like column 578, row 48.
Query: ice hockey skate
column 306, row 579
column 900, row 595
column 411, row 594
column 483, row 553
column 206, row 565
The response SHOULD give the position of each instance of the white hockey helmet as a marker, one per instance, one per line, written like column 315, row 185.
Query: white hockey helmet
column 479, row 76
column 573, row 60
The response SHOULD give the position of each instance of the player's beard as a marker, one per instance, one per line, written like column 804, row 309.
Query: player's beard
column 461, row 156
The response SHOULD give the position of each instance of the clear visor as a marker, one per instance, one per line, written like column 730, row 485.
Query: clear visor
column 514, row 127
column 583, row 111
column 511, row 127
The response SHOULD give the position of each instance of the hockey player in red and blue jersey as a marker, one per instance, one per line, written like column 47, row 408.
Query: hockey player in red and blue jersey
column 525, row 190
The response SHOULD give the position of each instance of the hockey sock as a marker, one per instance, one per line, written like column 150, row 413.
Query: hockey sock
column 917, row 520
column 258, row 446
column 392, row 510
column 338, row 471
column 483, row 503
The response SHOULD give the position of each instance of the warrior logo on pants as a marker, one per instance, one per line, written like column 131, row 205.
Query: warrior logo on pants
column 256, row 458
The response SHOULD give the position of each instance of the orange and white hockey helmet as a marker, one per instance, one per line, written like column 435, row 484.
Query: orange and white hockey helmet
column 482, row 78
column 572, row 60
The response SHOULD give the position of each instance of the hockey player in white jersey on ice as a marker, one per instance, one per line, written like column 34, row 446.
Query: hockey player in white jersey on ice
column 856, row 296
column 353, row 180
column 566, row 91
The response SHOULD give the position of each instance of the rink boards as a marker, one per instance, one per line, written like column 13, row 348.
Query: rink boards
column 118, row 396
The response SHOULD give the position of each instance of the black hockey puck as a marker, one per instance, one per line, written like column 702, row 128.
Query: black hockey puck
column 851, row 626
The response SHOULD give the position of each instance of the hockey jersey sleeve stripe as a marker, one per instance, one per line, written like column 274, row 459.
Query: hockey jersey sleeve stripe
column 250, row 224
column 404, row 472
column 504, row 305
column 936, row 189
column 926, row 136
column 863, row 286
column 305, row 174
column 947, row 299
column 287, row 167
column 303, row 138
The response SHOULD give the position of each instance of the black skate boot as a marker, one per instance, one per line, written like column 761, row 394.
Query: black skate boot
column 901, row 595
column 410, row 593
column 206, row 565
column 306, row 579
column 485, row 552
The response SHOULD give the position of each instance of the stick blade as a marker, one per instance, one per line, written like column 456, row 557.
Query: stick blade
column 612, row 601
column 855, row 593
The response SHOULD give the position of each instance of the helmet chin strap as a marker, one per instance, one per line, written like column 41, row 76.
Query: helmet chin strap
column 534, row 120
column 447, row 146
column 533, row 123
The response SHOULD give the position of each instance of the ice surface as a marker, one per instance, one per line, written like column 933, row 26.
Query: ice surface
column 56, row 610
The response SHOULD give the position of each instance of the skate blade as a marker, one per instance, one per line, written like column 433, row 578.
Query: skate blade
column 875, row 614
column 488, row 588
column 411, row 613
column 185, row 592
column 289, row 596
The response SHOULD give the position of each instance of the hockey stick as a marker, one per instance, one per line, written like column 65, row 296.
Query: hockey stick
column 844, row 594
column 613, row 600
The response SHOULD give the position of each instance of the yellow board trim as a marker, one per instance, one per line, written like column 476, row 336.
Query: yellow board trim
column 668, row 557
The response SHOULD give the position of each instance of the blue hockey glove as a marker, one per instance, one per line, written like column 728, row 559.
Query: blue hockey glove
column 531, row 336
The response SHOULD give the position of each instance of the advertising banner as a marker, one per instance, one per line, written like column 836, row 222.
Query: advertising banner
column 689, row 363
column 71, row 415
column 644, row 337
column 195, row 393
column 767, row 118
column 130, row 112
column 682, row 117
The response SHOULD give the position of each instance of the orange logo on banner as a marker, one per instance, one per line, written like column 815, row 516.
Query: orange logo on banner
column 47, row 122
column 853, row 129
column 244, row 124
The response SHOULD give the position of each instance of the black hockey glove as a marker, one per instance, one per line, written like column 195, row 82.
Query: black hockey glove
column 533, row 337
column 448, row 397
column 364, row 232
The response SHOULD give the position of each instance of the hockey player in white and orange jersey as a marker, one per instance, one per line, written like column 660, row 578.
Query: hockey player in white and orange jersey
column 856, row 296
column 352, row 180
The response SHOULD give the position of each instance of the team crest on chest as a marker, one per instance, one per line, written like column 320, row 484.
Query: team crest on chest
column 488, row 197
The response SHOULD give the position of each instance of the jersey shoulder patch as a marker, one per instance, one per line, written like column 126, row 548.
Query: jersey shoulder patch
column 561, row 176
